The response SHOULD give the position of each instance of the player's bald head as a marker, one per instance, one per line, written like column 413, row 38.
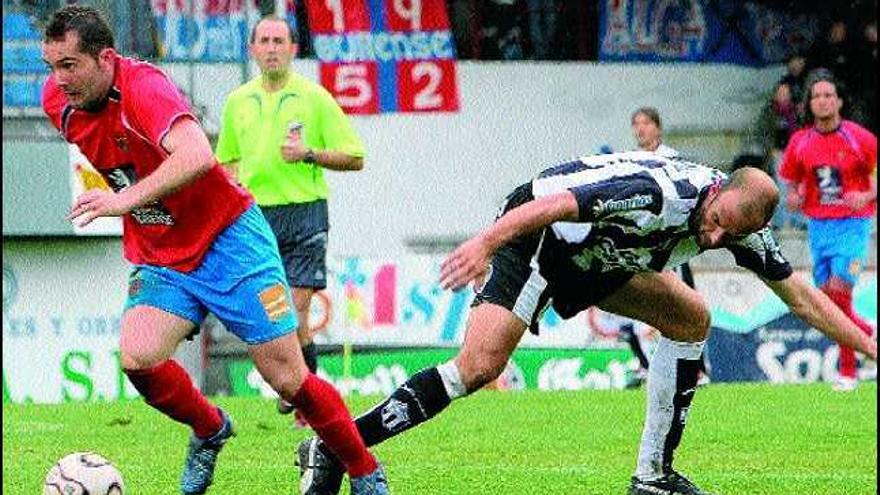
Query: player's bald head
column 757, row 195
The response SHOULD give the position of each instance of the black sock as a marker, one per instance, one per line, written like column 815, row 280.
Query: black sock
column 416, row 401
column 685, row 385
column 310, row 354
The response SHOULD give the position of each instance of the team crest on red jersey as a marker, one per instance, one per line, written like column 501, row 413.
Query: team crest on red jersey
column 121, row 142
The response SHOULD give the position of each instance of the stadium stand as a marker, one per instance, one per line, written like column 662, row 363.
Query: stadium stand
column 23, row 69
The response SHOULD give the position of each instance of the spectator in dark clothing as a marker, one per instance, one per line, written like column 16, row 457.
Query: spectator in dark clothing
column 781, row 119
column 502, row 37
column 303, row 34
column 864, row 89
column 784, row 114
column 464, row 18
column 543, row 16
column 795, row 76
column 577, row 26
column 834, row 52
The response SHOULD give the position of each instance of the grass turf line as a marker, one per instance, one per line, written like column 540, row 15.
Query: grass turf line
column 743, row 439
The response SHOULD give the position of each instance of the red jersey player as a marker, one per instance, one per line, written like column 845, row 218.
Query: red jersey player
column 830, row 171
column 196, row 240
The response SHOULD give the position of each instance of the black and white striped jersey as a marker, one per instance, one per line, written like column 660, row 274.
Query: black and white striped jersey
column 635, row 216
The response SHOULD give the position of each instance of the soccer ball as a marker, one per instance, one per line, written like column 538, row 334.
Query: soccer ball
column 83, row 473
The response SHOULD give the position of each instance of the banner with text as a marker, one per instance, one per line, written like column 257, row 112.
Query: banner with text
column 381, row 372
column 208, row 30
column 60, row 342
column 61, row 321
column 385, row 55
column 754, row 337
column 746, row 33
column 400, row 303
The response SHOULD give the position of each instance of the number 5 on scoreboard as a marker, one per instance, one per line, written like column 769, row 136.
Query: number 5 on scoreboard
column 353, row 85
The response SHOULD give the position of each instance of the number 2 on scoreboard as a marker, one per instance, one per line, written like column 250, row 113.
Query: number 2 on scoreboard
column 427, row 97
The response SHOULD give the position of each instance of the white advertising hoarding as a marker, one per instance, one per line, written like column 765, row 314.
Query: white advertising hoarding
column 84, row 177
column 63, row 300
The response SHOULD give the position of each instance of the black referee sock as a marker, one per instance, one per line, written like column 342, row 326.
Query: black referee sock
column 416, row 401
column 310, row 354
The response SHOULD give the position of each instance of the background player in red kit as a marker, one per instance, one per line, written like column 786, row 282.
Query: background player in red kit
column 830, row 169
column 196, row 240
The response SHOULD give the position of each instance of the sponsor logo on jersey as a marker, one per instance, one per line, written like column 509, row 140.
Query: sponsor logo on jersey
column 635, row 202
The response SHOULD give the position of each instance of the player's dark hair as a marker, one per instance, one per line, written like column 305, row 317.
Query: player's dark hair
column 649, row 112
column 818, row 75
column 290, row 30
column 93, row 31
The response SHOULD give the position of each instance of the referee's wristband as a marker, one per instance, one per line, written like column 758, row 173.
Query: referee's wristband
column 311, row 156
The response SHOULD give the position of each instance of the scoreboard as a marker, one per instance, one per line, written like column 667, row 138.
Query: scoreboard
column 385, row 55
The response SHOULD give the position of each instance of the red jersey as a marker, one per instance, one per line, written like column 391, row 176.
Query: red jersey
column 829, row 165
column 122, row 141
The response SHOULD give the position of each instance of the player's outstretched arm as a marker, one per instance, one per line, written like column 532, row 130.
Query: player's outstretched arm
column 470, row 260
column 189, row 157
column 816, row 309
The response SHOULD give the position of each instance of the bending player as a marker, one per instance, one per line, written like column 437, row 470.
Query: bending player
column 601, row 230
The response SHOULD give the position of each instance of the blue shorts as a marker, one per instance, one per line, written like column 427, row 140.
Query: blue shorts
column 240, row 280
column 839, row 248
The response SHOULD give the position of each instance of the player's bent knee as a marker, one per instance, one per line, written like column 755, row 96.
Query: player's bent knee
column 138, row 359
column 284, row 376
column 302, row 307
column 692, row 328
column 139, row 349
column 285, row 386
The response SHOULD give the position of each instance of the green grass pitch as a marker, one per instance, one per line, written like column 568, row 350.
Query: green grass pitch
column 741, row 439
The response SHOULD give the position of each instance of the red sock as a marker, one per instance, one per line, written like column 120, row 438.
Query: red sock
column 168, row 388
column 846, row 362
column 847, row 359
column 322, row 406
